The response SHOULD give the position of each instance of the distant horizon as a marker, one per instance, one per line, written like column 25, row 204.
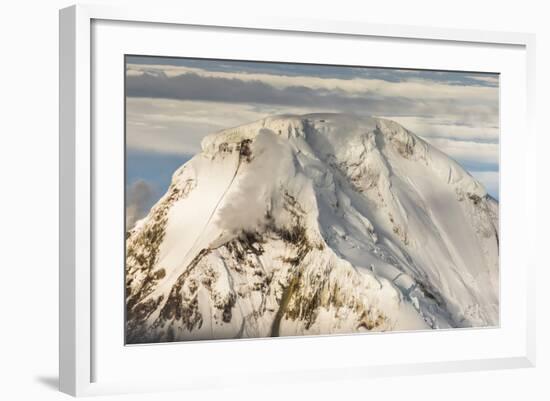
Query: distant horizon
column 172, row 103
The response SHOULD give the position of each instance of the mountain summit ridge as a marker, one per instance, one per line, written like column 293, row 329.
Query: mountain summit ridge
column 313, row 224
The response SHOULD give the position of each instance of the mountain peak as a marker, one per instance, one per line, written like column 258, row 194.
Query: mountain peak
column 289, row 126
column 316, row 223
column 344, row 136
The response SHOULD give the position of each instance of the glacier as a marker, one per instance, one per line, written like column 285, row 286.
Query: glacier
column 313, row 224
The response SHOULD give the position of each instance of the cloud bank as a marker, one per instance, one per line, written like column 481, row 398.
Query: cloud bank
column 138, row 198
column 173, row 103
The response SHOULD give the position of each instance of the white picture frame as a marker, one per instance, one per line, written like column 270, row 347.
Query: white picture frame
column 80, row 218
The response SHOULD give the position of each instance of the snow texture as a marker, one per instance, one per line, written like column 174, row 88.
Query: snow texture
column 313, row 224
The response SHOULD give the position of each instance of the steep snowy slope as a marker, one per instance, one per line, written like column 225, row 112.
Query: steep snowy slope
column 314, row 224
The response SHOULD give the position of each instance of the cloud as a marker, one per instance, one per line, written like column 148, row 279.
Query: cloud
column 467, row 152
column 195, row 87
column 177, row 126
column 177, row 66
column 139, row 197
column 462, row 111
column 490, row 180
column 482, row 129
column 486, row 79
column 412, row 88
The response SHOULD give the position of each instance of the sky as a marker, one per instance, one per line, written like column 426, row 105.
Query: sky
column 172, row 103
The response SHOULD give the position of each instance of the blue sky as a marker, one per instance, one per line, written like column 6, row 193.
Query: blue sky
column 172, row 103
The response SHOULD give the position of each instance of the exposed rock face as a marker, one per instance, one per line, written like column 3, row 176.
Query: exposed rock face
column 313, row 224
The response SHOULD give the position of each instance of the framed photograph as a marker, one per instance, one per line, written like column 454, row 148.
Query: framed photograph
column 273, row 199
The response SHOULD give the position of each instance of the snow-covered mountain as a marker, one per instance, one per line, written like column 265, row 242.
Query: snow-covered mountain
column 313, row 224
